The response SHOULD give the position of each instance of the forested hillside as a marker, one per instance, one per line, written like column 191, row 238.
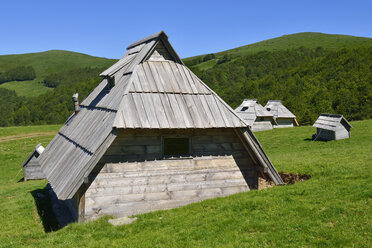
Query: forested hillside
column 36, row 88
column 308, row 81
column 53, row 107
column 335, row 76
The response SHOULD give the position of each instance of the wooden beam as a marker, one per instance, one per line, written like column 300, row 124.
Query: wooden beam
column 81, row 208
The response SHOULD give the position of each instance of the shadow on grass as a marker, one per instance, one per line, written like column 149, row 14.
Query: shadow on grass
column 21, row 180
column 308, row 139
column 45, row 210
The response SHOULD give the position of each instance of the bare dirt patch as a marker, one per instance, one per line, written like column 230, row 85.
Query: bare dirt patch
column 288, row 178
column 291, row 178
column 25, row 136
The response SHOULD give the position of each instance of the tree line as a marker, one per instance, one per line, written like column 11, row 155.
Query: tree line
column 20, row 73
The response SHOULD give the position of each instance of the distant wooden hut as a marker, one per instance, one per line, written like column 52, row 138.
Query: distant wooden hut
column 255, row 115
column 331, row 127
column 282, row 115
column 151, row 136
column 31, row 166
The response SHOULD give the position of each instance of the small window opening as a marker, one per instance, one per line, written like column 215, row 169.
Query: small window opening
column 244, row 108
column 176, row 146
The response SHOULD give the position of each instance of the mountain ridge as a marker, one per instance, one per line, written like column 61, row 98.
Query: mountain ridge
column 320, row 75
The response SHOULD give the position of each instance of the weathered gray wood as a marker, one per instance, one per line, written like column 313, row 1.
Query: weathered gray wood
column 162, row 94
column 214, row 109
column 151, row 72
column 193, row 109
column 188, row 120
column 89, row 166
column 332, row 127
column 180, row 119
column 168, row 111
column 81, row 207
column 208, row 110
column 170, row 76
column 150, row 110
column 160, row 53
column 132, row 185
column 160, row 111
column 132, row 115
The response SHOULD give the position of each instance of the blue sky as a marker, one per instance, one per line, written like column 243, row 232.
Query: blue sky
column 105, row 28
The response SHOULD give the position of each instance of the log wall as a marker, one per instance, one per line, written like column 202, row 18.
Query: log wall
column 132, row 177
column 284, row 122
column 261, row 124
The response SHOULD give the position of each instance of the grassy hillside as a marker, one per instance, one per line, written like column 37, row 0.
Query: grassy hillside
column 332, row 209
column 44, row 64
column 310, row 72
column 307, row 40
column 29, row 88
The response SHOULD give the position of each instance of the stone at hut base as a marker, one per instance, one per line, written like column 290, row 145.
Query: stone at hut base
column 122, row 221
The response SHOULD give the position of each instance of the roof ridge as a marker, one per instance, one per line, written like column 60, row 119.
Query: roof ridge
column 148, row 38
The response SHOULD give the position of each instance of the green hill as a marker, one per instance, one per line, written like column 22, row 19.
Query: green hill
column 310, row 72
column 308, row 81
column 332, row 209
column 308, row 40
column 44, row 64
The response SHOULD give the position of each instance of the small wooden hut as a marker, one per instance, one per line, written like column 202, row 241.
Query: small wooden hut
column 331, row 127
column 282, row 115
column 255, row 115
column 151, row 136
column 31, row 166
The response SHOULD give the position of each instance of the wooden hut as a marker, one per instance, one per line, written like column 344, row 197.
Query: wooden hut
column 331, row 127
column 31, row 166
column 282, row 115
column 255, row 115
column 151, row 136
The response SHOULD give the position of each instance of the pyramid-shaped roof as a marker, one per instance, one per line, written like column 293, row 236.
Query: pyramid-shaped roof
column 148, row 88
column 250, row 109
column 278, row 109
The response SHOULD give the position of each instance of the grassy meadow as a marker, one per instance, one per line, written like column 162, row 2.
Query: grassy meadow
column 29, row 88
column 44, row 64
column 332, row 209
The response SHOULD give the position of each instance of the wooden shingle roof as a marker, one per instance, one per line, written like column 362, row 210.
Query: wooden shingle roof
column 331, row 122
column 278, row 109
column 250, row 109
column 39, row 149
column 148, row 88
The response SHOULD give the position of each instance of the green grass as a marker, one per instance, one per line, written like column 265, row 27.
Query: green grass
column 207, row 64
column 45, row 63
column 27, row 88
column 52, row 61
column 332, row 209
column 10, row 131
column 307, row 39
